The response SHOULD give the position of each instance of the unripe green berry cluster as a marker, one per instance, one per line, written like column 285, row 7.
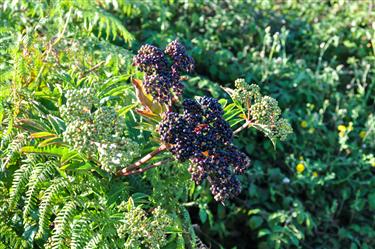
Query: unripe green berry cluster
column 97, row 130
column 246, row 92
column 142, row 231
column 264, row 110
column 81, row 136
column 117, row 154
column 76, row 105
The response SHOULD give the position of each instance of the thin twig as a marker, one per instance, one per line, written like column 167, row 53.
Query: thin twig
column 141, row 170
column 143, row 160
column 53, row 43
column 244, row 126
column 94, row 67
column 60, row 36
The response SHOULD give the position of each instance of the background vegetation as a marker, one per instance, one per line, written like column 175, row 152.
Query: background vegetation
column 316, row 190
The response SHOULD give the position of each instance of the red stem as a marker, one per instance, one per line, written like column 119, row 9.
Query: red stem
column 143, row 160
column 141, row 170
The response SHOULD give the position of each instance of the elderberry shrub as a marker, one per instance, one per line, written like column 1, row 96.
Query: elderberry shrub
column 201, row 134
column 162, row 76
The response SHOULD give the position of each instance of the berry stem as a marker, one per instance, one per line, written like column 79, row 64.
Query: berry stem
column 141, row 161
column 94, row 68
column 141, row 170
column 244, row 126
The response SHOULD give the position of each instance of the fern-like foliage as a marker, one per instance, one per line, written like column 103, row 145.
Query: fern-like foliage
column 12, row 150
column 62, row 225
column 45, row 207
column 80, row 233
column 20, row 180
column 91, row 16
column 9, row 238
column 101, row 19
column 39, row 174
column 94, row 242
column 95, row 16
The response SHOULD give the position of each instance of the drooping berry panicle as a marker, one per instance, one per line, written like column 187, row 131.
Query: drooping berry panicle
column 200, row 134
column 162, row 76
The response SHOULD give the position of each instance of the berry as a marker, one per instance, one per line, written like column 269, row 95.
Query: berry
column 142, row 230
column 211, row 107
column 225, row 188
column 79, row 103
column 238, row 159
column 175, row 130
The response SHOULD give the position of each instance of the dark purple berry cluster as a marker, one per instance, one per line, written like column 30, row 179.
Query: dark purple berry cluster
column 201, row 134
column 181, row 60
column 221, row 169
column 162, row 76
column 150, row 59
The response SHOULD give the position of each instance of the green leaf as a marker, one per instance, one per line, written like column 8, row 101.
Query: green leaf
column 229, row 107
column 203, row 215
column 42, row 134
column 123, row 111
column 57, row 124
column 371, row 201
column 69, row 155
column 263, row 232
column 230, row 115
column 255, row 221
column 223, row 102
column 50, row 141
column 51, row 150
column 353, row 246
column 235, row 121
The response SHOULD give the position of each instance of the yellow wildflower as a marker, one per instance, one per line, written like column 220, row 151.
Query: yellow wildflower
column 362, row 134
column 303, row 124
column 341, row 128
column 300, row 167
column 315, row 174
column 350, row 126
column 342, row 133
column 373, row 164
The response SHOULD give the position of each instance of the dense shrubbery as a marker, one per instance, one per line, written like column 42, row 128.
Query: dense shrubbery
column 70, row 118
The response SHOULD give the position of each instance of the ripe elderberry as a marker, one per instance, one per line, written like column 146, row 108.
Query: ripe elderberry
column 203, row 136
column 181, row 60
column 158, row 85
column 162, row 76
column 150, row 59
